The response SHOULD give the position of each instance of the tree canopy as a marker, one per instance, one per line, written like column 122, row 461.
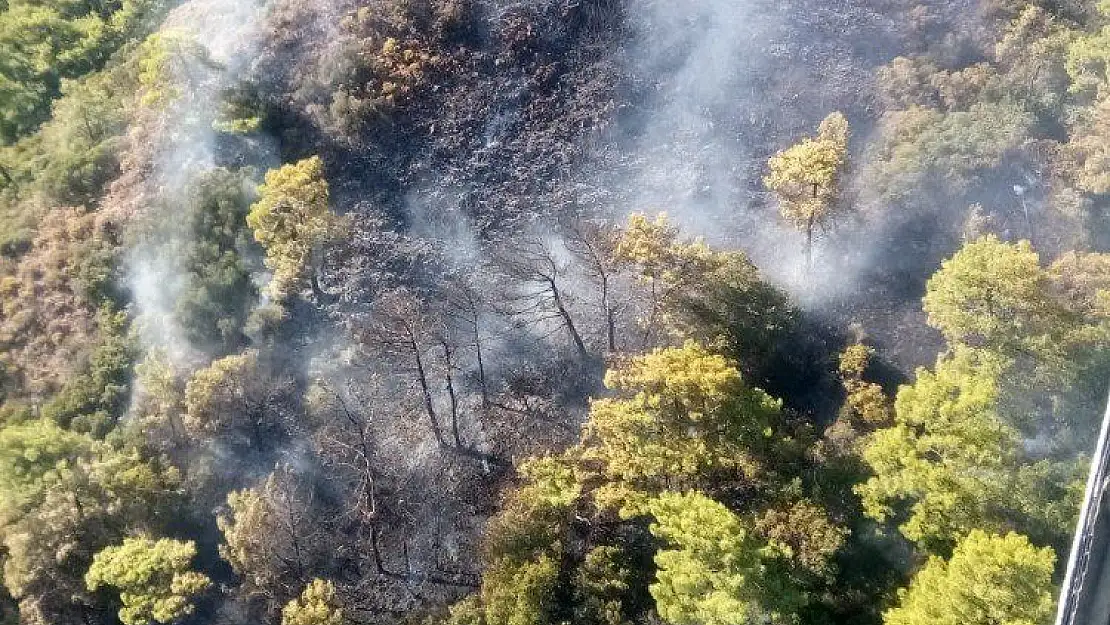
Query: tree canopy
column 292, row 221
column 990, row 579
column 153, row 577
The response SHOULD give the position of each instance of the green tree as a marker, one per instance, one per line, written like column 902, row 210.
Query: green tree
column 159, row 402
column 1088, row 59
column 806, row 177
column 990, row 580
column 865, row 404
column 292, row 222
column 43, row 44
column 92, row 400
column 710, row 572
column 522, row 594
column 524, row 544
column 317, row 605
column 682, row 414
column 920, row 148
column 82, row 506
column 805, row 538
column 949, row 456
column 229, row 398
column 35, row 456
column 994, row 295
column 652, row 248
column 271, row 537
column 725, row 303
column 533, row 519
column 600, row 585
column 213, row 308
column 81, row 142
column 34, row 43
column 153, row 578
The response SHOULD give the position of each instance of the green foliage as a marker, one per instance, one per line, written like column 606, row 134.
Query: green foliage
column 921, row 148
column 865, row 405
column 652, row 246
column 1087, row 149
column 948, row 453
column 600, row 584
column 465, row 612
column 47, row 340
column 152, row 576
column 806, row 176
column 523, row 546
column 1088, row 62
column 229, row 398
column 81, row 142
column 533, row 518
column 1046, row 496
column 72, row 507
column 317, row 605
column 711, row 571
column 990, row 580
column 163, row 59
column 43, row 44
column 994, row 295
column 682, row 414
column 1025, row 66
column 213, row 308
column 1032, row 54
column 72, row 157
column 269, row 537
column 241, row 112
column 244, row 528
column 522, row 594
column 1049, row 325
column 958, row 463
column 96, row 397
column 551, row 482
column 694, row 291
column 726, row 304
column 35, row 456
column 382, row 63
column 593, row 535
column 292, row 222
column 159, row 401
column 804, row 537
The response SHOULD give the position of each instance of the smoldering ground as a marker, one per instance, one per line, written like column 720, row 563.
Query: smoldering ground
column 695, row 97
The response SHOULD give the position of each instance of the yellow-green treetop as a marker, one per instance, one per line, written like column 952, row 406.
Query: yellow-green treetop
column 652, row 248
column 990, row 580
column 533, row 517
column 1082, row 280
column 948, row 455
column 292, row 221
column 600, row 585
column 523, row 546
column 220, row 395
column 994, row 295
column 865, row 402
column 152, row 576
column 680, row 413
column 244, row 529
column 520, row 595
column 806, row 176
column 1088, row 59
column 646, row 242
column 804, row 536
column 33, row 457
column 710, row 572
column 317, row 605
